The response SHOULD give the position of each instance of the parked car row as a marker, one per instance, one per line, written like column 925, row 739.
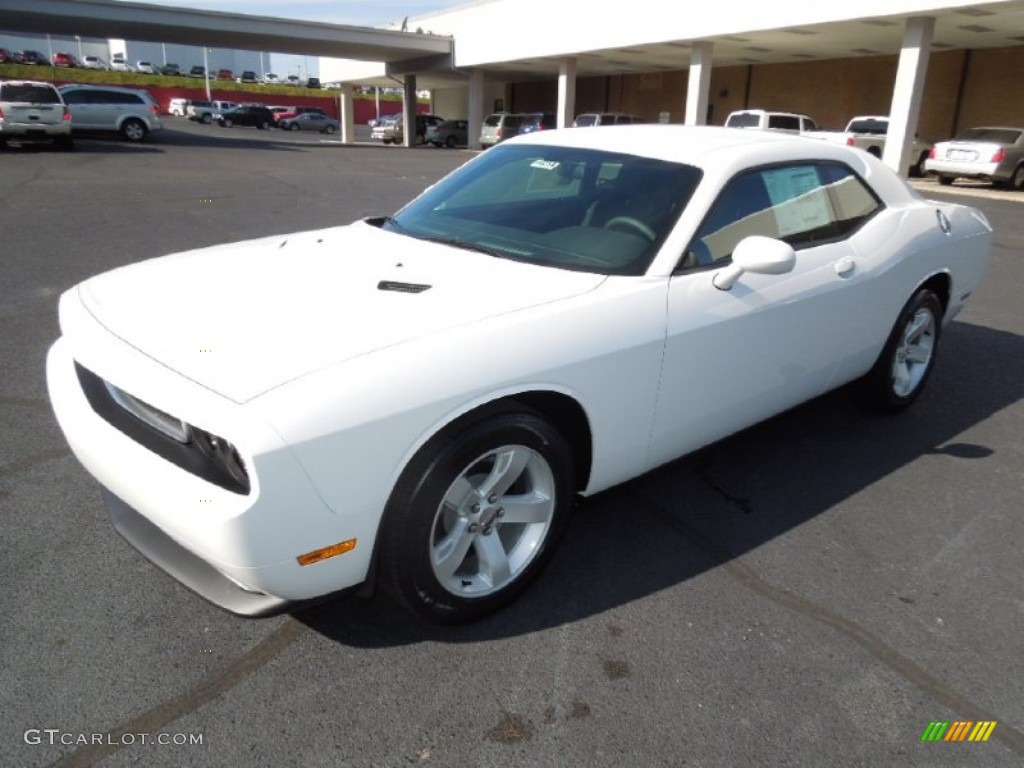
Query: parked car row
column 991, row 153
column 32, row 111
column 228, row 113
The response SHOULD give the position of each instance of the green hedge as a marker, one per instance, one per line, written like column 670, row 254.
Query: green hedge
column 79, row 75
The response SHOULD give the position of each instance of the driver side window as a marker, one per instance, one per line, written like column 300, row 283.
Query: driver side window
column 802, row 204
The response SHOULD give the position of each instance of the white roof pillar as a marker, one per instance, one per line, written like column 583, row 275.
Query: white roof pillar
column 476, row 108
column 566, row 92
column 346, row 113
column 908, row 91
column 410, row 106
column 699, row 84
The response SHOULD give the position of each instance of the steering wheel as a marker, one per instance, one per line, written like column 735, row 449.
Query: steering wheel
column 631, row 223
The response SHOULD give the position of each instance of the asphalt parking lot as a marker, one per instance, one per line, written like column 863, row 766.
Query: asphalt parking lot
column 812, row 592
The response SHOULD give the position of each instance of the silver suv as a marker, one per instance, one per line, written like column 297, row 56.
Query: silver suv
column 129, row 111
column 33, row 111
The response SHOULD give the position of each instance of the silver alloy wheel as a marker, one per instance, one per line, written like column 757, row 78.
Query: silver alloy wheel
column 913, row 355
column 134, row 130
column 492, row 521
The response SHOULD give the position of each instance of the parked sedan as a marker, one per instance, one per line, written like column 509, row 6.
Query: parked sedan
column 31, row 57
column 62, row 59
column 990, row 154
column 589, row 305
column 247, row 114
column 450, row 133
column 309, row 121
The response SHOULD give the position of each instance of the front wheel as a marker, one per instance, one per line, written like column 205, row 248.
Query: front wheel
column 293, row 127
column 134, row 130
column 329, row 129
column 475, row 517
column 902, row 370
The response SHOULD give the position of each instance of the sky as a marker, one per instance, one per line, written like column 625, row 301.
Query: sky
column 368, row 13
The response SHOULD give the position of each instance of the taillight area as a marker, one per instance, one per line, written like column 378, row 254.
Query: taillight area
column 999, row 155
column 850, row 142
column 154, row 109
column 933, row 153
column 1, row 114
column 67, row 115
column 499, row 134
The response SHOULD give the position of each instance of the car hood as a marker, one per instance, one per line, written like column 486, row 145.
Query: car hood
column 244, row 318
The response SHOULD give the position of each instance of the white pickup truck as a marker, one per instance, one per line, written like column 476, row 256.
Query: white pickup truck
column 868, row 133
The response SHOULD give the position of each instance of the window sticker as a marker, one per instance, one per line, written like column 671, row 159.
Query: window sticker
column 546, row 165
column 799, row 201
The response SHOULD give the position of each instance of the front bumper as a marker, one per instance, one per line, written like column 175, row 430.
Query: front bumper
column 216, row 541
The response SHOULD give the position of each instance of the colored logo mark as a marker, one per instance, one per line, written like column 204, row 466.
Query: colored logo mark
column 958, row 730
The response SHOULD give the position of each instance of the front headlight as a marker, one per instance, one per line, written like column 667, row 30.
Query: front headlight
column 195, row 450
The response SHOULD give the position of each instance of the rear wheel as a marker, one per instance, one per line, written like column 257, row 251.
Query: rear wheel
column 917, row 170
column 226, row 122
column 450, row 142
column 206, row 119
column 328, row 129
column 475, row 517
column 902, row 370
column 134, row 130
column 293, row 127
column 262, row 125
column 1017, row 180
column 945, row 180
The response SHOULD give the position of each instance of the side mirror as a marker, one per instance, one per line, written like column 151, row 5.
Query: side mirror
column 758, row 254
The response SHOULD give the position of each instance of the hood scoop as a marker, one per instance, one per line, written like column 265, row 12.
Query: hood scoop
column 399, row 287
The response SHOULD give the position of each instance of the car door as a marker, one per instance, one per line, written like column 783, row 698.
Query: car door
column 735, row 357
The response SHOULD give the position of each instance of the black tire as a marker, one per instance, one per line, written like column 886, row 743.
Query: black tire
column 450, row 142
column 906, row 362
column 945, row 180
column 293, row 127
column 875, row 151
column 917, row 170
column 262, row 125
column 206, row 119
column 329, row 130
column 1017, row 180
column 421, row 521
column 226, row 122
column 65, row 144
column 134, row 130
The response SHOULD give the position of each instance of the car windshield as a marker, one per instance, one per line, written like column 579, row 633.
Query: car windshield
column 996, row 135
column 563, row 207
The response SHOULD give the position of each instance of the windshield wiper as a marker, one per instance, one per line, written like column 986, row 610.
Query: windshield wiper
column 465, row 245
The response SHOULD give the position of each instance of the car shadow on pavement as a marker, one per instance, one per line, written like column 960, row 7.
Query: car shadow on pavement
column 706, row 509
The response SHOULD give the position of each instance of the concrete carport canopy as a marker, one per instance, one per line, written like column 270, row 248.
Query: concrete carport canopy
column 163, row 24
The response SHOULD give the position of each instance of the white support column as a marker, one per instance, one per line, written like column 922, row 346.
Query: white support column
column 410, row 107
column 699, row 84
column 907, row 92
column 346, row 114
column 476, row 107
column 566, row 92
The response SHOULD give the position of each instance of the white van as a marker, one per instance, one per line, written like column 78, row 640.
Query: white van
column 770, row 121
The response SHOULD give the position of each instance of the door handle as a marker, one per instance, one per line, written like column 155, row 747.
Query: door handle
column 845, row 267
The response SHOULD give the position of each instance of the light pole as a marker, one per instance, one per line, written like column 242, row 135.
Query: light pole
column 206, row 72
column 80, row 56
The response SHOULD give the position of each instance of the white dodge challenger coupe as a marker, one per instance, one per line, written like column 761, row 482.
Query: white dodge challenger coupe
column 416, row 401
